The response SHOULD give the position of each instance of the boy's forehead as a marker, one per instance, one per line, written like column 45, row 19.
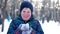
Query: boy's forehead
column 27, row 9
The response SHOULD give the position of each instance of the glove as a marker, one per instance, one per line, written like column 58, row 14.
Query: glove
column 27, row 31
column 24, row 27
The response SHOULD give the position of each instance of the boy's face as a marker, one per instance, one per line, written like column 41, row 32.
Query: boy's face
column 26, row 14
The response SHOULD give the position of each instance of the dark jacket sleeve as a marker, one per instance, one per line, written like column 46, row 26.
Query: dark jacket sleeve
column 38, row 28
column 12, row 28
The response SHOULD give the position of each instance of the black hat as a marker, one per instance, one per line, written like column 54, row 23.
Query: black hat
column 26, row 4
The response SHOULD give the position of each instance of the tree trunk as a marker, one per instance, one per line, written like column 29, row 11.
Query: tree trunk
column 4, row 14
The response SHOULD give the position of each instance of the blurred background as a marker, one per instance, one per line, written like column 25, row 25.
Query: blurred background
column 44, row 10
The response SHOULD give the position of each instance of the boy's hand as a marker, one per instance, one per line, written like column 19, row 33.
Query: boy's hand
column 24, row 26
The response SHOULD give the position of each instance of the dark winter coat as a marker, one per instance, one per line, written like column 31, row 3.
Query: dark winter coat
column 13, row 28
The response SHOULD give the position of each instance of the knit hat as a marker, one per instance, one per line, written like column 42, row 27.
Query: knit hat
column 26, row 4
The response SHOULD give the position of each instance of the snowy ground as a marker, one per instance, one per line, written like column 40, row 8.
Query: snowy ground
column 51, row 27
column 48, row 28
column 6, row 26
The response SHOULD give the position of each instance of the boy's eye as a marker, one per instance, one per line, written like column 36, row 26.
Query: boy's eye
column 28, row 12
column 23, row 11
